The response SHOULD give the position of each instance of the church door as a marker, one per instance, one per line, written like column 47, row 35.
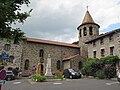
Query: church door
column 40, row 69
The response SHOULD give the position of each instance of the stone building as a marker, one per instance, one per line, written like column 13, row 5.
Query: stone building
column 10, row 54
column 63, row 55
column 31, row 52
column 95, row 45
column 87, row 30
column 104, row 45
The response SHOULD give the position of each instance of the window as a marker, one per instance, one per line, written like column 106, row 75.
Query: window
column 102, row 52
column 41, row 53
column 80, row 33
column 26, row 65
column 101, row 41
column 85, row 31
column 11, row 59
column 58, row 64
column 111, row 38
column 111, row 50
column 90, row 31
column 94, row 43
column 7, row 47
column 94, row 54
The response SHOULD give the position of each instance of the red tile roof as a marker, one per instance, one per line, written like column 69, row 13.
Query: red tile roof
column 68, row 58
column 50, row 42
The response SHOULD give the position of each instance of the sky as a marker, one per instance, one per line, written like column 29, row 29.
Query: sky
column 57, row 20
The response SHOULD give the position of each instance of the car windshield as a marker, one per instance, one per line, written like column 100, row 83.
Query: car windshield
column 71, row 70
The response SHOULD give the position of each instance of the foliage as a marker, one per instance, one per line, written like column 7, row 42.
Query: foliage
column 110, row 71
column 77, row 42
column 100, row 74
column 87, row 69
column 109, row 59
column 59, row 76
column 101, row 68
column 10, row 13
column 39, row 78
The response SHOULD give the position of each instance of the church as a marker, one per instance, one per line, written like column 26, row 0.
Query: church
column 31, row 51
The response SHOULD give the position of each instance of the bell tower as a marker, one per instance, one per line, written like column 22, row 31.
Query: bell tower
column 87, row 30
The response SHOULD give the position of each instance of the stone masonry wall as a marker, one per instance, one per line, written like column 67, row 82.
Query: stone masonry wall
column 15, row 51
column 31, row 52
column 107, row 44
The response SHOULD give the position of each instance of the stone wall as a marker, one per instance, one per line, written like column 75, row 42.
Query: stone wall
column 14, row 50
column 106, row 45
column 31, row 52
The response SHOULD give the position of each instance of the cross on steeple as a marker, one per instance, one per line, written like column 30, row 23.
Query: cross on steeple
column 87, row 8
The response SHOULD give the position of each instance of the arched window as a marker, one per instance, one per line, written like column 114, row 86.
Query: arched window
column 80, row 65
column 7, row 47
column 90, row 30
column 41, row 53
column 26, row 64
column 11, row 59
column 58, row 64
column 85, row 31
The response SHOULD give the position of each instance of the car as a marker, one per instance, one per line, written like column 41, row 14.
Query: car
column 9, row 76
column 71, row 73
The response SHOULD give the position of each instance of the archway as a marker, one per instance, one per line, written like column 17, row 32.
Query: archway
column 80, row 65
column 26, row 67
column 40, row 69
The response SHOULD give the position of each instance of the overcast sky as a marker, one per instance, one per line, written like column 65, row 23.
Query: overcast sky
column 57, row 20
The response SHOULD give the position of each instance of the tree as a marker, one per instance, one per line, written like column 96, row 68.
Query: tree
column 10, row 13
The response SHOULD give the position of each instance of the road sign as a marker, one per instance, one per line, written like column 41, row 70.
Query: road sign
column 5, row 56
column 2, row 74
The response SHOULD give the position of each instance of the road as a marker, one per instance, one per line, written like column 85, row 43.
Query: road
column 75, row 84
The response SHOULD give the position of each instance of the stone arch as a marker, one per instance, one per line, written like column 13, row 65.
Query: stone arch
column 58, row 65
column 26, row 67
column 90, row 30
column 80, row 65
column 41, row 53
column 85, row 31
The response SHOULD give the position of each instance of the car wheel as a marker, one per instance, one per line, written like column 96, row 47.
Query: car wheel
column 8, row 79
column 71, row 77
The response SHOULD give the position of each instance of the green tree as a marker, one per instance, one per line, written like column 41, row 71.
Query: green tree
column 10, row 13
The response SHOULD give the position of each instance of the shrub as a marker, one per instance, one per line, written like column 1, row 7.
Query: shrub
column 87, row 69
column 59, row 76
column 100, row 74
column 100, row 67
column 110, row 71
column 39, row 78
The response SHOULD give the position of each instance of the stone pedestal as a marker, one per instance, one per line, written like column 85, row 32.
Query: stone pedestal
column 48, row 72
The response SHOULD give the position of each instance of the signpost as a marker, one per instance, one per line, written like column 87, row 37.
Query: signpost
column 2, row 77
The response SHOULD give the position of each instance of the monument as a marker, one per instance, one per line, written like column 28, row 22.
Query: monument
column 48, row 72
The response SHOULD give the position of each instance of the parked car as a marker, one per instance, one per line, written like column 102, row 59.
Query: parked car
column 9, row 76
column 71, row 73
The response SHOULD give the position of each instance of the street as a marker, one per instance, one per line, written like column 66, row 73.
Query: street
column 74, row 84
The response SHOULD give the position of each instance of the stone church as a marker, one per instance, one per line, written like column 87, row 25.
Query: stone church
column 31, row 52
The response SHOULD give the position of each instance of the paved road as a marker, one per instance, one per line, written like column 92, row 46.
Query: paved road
column 76, row 84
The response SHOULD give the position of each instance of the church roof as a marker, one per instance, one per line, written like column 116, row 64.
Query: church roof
column 103, row 35
column 87, row 18
column 50, row 42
